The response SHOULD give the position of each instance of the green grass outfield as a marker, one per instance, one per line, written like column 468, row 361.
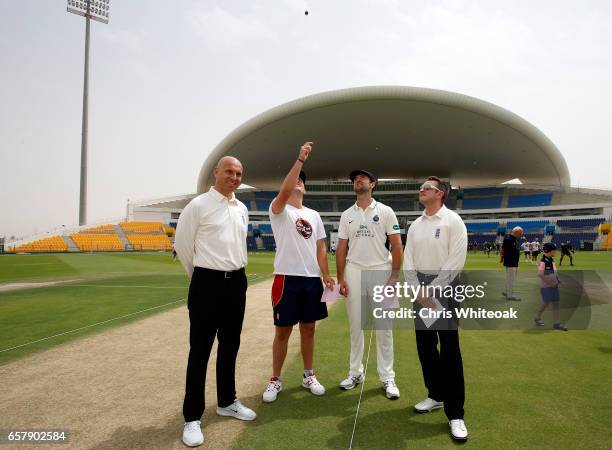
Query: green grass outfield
column 100, row 290
column 524, row 389
column 536, row 389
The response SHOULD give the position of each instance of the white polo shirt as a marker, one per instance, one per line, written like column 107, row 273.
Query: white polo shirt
column 296, row 232
column 367, row 231
column 436, row 245
column 211, row 233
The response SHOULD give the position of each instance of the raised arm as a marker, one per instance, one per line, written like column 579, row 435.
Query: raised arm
column 279, row 202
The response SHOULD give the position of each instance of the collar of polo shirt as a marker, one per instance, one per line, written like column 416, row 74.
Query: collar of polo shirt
column 439, row 213
column 371, row 205
column 219, row 196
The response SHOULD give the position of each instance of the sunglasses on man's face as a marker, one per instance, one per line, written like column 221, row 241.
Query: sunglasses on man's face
column 428, row 186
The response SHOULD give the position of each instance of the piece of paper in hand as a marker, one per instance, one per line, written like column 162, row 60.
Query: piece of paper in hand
column 331, row 295
column 429, row 321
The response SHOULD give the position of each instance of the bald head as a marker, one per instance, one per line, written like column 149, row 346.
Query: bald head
column 517, row 232
column 228, row 175
column 228, row 160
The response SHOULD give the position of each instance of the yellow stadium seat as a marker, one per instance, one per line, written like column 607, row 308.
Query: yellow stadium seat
column 142, row 227
column 97, row 242
column 52, row 244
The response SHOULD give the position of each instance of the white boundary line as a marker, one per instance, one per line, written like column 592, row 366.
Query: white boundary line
column 365, row 373
column 92, row 325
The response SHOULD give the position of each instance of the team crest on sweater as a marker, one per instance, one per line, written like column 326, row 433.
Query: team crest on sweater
column 303, row 227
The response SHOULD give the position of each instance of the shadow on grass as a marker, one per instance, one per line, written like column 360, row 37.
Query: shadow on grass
column 392, row 428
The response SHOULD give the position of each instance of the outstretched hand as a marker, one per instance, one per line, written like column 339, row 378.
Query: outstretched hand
column 305, row 150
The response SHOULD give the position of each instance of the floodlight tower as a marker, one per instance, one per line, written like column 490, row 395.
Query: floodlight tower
column 97, row 10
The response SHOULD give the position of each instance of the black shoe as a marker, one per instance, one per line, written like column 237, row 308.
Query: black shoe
column 559, row 326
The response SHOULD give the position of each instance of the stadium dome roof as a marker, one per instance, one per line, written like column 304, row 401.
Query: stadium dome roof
column 397, row 132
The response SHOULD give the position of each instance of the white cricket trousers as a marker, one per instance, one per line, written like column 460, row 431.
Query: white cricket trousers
column 354, row 306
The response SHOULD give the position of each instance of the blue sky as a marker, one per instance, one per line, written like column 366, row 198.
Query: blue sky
column 170, row 79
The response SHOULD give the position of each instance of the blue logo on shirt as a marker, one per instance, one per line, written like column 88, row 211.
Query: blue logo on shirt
column 437, row 233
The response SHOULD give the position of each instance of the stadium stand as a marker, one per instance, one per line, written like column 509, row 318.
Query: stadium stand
column 607, row 243
column 269, row 242
column 399, row 203
column 268, row 195
column 100, row 229
column 479, row 239
column 87, row 242
column 51, row 244
column 481, row 192
column 576, row 239
column 263, row 205
column 481, row 227
column 265, row 228
column 321, row 205
column 149, row 242
column 482, row 203
column 521, row 201
column 345, row 203
column 141, row 227
column 528, row 225
column 579, row 223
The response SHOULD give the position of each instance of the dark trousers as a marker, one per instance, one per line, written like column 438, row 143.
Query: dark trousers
column 568, row 255
column 216, row 304
column 443, row 369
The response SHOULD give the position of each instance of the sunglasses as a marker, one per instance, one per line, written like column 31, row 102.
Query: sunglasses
column 428, row 186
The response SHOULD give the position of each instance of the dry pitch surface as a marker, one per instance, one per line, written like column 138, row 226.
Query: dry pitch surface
column 124, row 388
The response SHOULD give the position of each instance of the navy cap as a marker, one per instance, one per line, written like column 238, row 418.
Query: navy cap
column 368, row 174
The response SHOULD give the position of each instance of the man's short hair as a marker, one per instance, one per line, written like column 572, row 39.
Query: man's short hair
column 442, row 185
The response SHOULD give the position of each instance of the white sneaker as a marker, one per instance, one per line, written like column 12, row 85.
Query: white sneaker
column 313, row 385
column 237, row 410
column 428, row 405
column 192, row 434
column 391, row 390
column 458, row 429
column 271, row 392
column 351, row 382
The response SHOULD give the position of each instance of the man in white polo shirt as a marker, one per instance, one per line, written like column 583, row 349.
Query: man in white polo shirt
column 301, row 258
column 435, row 253
column 211, row 244
column 363, row 232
